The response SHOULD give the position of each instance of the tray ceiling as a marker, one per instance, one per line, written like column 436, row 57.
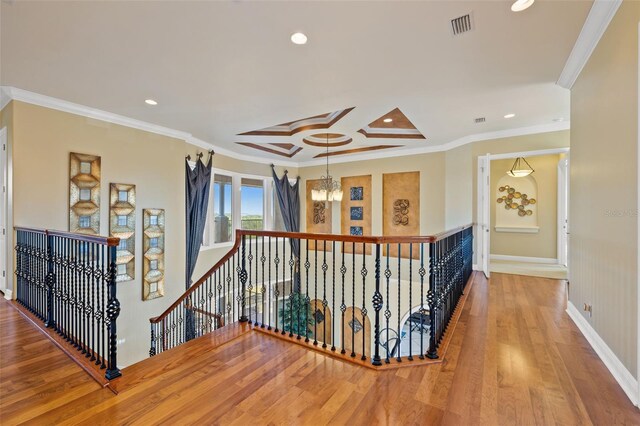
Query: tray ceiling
column 226, row 71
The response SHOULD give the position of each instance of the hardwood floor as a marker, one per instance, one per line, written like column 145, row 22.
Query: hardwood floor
column 515, row 358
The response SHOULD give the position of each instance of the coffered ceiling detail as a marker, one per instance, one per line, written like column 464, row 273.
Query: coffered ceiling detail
column 282, row 149
column 325, row 140
column 393, row 125
column 322, row 121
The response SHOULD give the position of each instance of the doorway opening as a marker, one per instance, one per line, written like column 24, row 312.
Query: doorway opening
column 523, row 221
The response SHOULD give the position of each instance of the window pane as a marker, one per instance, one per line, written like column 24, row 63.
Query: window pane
column 278, row 223
column 153, row 220
column 123, row 196
column 122, row 245
column 122, row 269
column 222, row 208
column 85, row 167
column 85, row 194
column 252, row 204
column 153, row 265
column 153, row 242
column 122, row 220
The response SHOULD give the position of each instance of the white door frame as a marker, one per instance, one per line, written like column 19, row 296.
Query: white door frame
column 4, row 237
column 563, row 211
column 484, row 187
column 483, row 245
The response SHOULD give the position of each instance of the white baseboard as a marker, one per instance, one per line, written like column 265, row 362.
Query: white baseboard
column 625, row 379
column 8, row 294
column 523, row 259
column 475, row 267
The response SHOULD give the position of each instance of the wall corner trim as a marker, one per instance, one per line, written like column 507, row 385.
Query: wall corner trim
column 625, row 379
column 600, row 15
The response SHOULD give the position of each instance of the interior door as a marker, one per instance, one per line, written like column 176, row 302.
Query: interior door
column 484, row 216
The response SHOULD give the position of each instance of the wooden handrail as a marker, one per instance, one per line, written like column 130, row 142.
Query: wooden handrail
column 195, row 285
column 307, row 236
column 98, row 239
column 396, row 239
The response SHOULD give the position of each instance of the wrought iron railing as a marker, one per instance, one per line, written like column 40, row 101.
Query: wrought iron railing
column 386, row 299
column 68, row 281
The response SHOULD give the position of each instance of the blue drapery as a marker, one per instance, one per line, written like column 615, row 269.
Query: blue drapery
column 289, row 202
column 197, row 185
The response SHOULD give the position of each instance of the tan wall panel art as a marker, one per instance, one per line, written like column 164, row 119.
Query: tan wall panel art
column 401, row 210
column 318, row 216
column 153, row 248
column 122, row 224
column 84, row 193
column 355, row 209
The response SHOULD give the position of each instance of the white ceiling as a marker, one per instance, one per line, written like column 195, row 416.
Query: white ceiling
column 222, row 68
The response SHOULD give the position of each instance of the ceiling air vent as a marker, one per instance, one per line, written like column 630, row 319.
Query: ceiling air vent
column 462, row 24
column 480, row 120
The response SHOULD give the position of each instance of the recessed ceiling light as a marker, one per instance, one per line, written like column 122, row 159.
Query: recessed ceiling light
column 150, row 102
column 521, row 5
column 388, row 120
column 298, row 38
column 509, row 116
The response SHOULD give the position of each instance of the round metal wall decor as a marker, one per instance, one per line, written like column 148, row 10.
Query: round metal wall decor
column 514, row 200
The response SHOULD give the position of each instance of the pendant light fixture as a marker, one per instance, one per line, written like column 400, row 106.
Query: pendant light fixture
column 327, row 189
column 519, row 170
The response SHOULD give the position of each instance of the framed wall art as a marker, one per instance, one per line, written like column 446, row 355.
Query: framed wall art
column 84, row 193
column 122, row 224
column 355, row 209
column 401, row 209
column 153, row 249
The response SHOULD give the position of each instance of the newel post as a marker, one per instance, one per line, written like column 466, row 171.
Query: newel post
column 432, row 353
column 113, row 311
column 50, row 280
column 243, row 281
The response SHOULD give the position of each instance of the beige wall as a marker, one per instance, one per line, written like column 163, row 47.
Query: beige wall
column 541, row 244
column 432, row 189
column 604, row 170
column 42, row 140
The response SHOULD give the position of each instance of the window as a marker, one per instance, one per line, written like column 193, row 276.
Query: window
column 123, row 196
column 222, row 208
column 237, row 201
column 276, row 213
column 122, row 220
column 252, row 204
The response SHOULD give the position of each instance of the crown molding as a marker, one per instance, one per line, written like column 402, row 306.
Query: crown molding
column 595, row 25
column 479, row 137
column 8, row 93
column 5, row 98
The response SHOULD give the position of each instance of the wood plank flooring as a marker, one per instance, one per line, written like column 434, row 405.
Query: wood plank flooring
column 515, row 359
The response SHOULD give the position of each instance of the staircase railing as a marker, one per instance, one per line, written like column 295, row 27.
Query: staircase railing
column 68, row 281
column 379, row 298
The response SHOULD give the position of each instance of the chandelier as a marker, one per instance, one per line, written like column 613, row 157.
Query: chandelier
column 519, row 170
column 326, row 189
